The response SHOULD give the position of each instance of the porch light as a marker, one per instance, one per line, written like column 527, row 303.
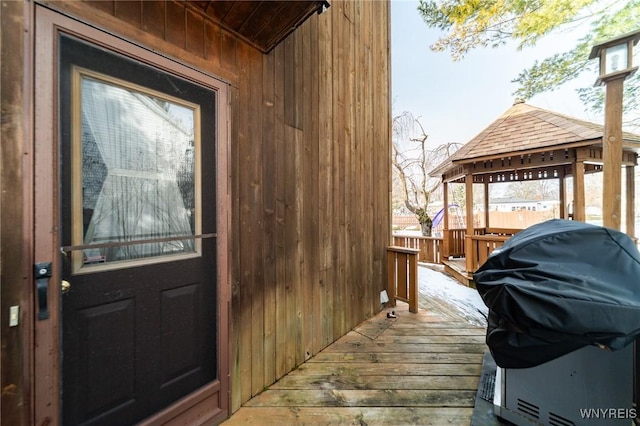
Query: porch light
column 616, row 57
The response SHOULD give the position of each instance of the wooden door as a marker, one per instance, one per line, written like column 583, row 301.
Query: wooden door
column 138, row 233
column 135, row 194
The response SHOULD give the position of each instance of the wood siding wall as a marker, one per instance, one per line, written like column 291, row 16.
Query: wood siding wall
column 14, row 231
column 311, row 192
column 310, row 141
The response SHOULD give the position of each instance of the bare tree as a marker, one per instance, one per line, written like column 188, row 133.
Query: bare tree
column 413, row 159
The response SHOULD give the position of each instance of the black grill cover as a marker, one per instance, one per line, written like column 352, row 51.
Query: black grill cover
column 556, row 287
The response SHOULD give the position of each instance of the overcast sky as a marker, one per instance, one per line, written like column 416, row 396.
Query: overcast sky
column 457, row 100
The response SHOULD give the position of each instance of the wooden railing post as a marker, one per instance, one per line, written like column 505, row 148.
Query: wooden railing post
column 402, row 279
column 413, row 282
column 391, row 277
column 470, row 254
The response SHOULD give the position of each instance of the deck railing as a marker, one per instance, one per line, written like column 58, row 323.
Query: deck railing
column 479, row 247
column 402, row 276
column 429, row 248
column 455, row 243
column 509, row 232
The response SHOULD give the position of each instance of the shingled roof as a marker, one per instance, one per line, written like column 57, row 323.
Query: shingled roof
column 526, row 128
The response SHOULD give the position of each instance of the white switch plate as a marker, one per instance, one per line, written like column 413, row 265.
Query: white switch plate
column 14, row 312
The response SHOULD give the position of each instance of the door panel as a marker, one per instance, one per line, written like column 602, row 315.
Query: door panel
column 138, row 232
column 115, row 324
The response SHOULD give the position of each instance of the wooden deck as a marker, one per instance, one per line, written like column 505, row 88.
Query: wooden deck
column 418, row 369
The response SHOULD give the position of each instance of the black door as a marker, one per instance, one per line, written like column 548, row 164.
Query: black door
column 137, row 185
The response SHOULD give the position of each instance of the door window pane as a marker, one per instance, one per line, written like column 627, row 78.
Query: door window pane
column 136, row 178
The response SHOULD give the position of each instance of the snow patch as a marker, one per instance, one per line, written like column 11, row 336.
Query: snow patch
column 465, row 300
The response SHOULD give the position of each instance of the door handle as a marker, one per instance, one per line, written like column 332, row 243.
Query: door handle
column 65, row 286
column 42, row 273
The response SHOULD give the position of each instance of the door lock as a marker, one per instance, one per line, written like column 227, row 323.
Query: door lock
column 42, row 273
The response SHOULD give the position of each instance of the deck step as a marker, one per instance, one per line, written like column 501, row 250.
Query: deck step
column 456, row 268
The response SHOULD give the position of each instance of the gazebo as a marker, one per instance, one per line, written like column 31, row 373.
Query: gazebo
column 525, row 143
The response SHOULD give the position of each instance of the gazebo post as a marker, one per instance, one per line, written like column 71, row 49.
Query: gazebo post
column 486, row 203
column 468, row 182
column 445, row 224
column 562, row 185
column 631, row 207
column 578, row 191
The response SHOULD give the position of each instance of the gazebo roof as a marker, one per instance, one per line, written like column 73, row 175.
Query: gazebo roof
column 524, row 129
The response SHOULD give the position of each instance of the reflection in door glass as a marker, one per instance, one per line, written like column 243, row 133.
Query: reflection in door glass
column 138, row 175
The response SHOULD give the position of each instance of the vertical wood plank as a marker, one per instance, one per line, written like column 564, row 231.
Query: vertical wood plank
column 299, row 316
column 298, row 313
column 228, row 48
column 382, row 133
column 371, row 296
column 338, row 198
column 297, row 131
column 356, row 212
column 129, row 11
column 288, row 156
column 291, row 241
column 292, row 81
column 347, row 166
column 236, row 289
column 153, row 17
column 247, row 230
column 282, row 331
column 254, row 183
column 269, row 211
column 195, row 37
column 176, row 24
column 326, row 177
column 212, row 51
column 309, row 170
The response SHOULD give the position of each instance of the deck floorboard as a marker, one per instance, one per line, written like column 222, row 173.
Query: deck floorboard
column 416, row 369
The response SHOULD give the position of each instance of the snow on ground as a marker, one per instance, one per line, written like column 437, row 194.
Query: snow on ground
column 466, row 300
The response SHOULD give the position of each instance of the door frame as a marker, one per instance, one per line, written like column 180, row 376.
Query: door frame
column 46, row 216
